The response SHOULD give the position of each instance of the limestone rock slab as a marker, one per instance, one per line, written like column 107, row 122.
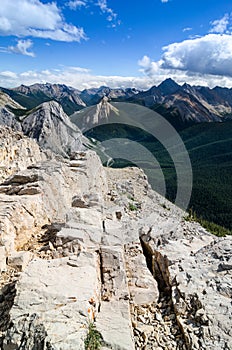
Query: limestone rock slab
column 57, row 304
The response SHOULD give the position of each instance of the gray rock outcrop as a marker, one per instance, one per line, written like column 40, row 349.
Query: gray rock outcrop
column 17, row 152
column 53, row 130
column 73, row 253
column 43, row 193
column 7, row 117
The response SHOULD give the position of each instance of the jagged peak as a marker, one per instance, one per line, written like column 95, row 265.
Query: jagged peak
column 22, row 88
column 49, row 110
column 168, row 86
column 168, row 81
column 104, row 108
column 49, row 105
column 104, row 99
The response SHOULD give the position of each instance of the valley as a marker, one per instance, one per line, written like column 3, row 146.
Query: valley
column 201, row 116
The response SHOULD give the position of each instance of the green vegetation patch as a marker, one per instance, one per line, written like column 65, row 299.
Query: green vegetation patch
column 94, row 339
column 213, row 228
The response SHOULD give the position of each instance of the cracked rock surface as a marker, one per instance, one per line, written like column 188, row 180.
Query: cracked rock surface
column 81, row 244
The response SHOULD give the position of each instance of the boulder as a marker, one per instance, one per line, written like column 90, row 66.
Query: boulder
column 19, row 260
column 53, row 302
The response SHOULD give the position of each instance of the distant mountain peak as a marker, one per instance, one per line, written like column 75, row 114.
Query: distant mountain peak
column 99, row 114
column 51, row 107
column 52, row 129
column 105, row 99
column 104, row 110
column 168, row 86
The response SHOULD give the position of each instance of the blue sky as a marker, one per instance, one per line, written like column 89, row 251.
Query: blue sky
column 88, row 43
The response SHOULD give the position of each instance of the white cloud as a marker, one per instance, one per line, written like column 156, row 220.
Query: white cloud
column 210, row 54
column 220, row 25
column 8, row 75
column 200, row 60
column 78, row 77
column 164, row 1
column 22, row 48
column 33, row 18
column 149, row 67
column 111, row 15
column 187, row 29
column 82, row 78
column 67, row 33
column 75, row 4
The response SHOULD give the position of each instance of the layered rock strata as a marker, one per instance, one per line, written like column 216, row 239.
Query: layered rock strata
column 84, row 245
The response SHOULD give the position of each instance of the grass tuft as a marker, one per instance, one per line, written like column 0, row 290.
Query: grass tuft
column 93, row 339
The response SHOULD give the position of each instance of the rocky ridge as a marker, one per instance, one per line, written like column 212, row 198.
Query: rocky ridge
column 192, row 104
column 52, row 129
column 67, row 96
column 96, row 245
column 17, row 152
column 6, row 100
column 185, row 104
column 7, row 107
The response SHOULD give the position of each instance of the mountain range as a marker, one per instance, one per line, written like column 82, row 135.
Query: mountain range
column 202, row 116
column 93, row 257
column 182, row 105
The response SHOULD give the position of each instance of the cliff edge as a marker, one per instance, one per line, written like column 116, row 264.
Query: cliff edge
column 93, row 254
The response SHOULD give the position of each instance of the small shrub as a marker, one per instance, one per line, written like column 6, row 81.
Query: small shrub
column 132, row 207
column 93, row 339
column 188, row 218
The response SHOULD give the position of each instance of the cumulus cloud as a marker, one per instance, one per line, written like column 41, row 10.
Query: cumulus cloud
column 164, row 0
column 22, row 48
column 210, row 54
column 149, row 67
column 33, row 18
column 220, row 25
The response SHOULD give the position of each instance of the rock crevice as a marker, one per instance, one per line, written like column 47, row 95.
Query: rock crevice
column 96, row 245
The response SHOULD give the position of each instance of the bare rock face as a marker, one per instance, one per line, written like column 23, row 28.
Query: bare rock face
column 188, row 272
column 44, row 193
column 75, row 252
column 62, row 290
column 67, row 96
column 53, row 130
column 17, row 152
column 7, row 117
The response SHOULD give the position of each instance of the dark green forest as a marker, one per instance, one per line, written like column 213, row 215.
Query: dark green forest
column 210, row 150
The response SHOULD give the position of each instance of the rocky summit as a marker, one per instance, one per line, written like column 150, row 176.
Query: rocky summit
column 93, row 258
